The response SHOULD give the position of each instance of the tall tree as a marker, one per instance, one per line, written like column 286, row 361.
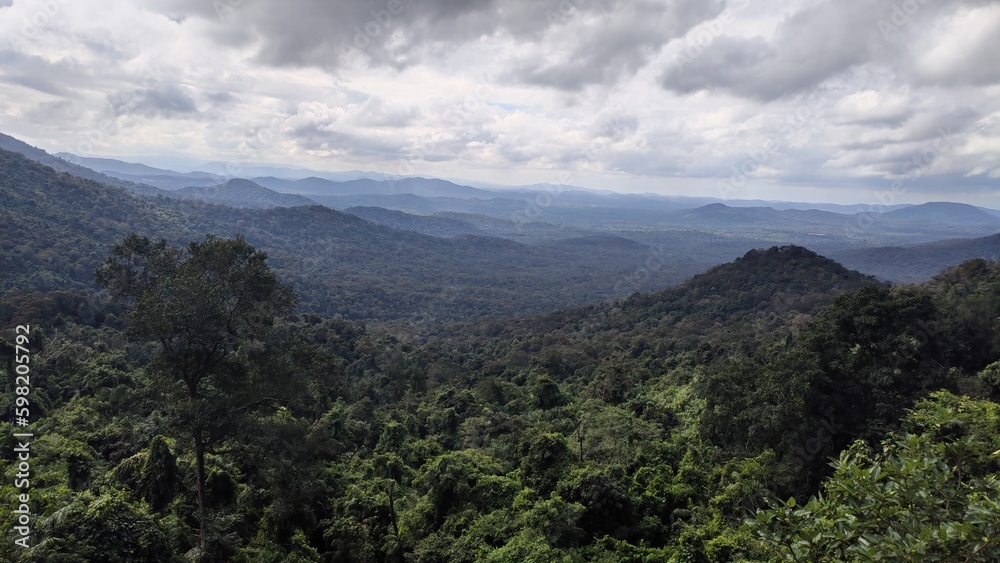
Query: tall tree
column 209, row 306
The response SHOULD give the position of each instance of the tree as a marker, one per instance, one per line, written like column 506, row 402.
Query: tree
column 208, row 307
column 932, row 496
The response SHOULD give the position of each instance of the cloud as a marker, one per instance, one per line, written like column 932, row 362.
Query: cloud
column 160, row 100
column 815, row 43
column 583, row 49
column 569, row 44
column 965, row 51
column 644, row 93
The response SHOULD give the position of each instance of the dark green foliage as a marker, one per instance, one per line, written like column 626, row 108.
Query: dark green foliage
column 339, row 264
column 608, row 506
column 209, row 309
column 645, row 430
column 544, row 458
column 106, row 529
column 547, row 393
column 933, row 496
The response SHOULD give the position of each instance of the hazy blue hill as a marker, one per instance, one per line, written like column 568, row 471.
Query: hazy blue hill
column 919, row 263
column 321, row 186
column 500, row 208
column 432, row 187
column 605, row 242
column 242, row 193
column 59, row 165
column 59, row 228
column 111, row 165
column 173, row 182
column 944, row 213
column 425, row 187
column 435, row 225
column 725, row 216
column 142, row 174
column 722, row 212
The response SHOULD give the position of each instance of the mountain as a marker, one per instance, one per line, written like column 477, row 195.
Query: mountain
column 918, row 263
column 38, row 155
column 173, row 166
column 339, row 264
column 113, row 166
column 143, row 174
column 242, row 193
column 752, row 294
column 777, row 279
column 58, row 227
column 944, row 213
column 435, row 225
column 173, row 182
column 426, row 187
column 321, row 186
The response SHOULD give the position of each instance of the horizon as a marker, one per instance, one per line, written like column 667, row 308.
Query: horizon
column 158, row 162
column 691, row 98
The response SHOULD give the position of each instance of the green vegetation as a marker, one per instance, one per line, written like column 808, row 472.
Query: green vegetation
column 779, row 407
column 193, row 416
column 62, row 227
column 207, row 308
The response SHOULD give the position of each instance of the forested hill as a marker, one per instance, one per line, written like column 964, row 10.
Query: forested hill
column 62, row 226
column 36, row 154
column 785, row 277
column 58, row 228
column 241, row 193
column 919, row 262
column 758, row 294
column 666, row 427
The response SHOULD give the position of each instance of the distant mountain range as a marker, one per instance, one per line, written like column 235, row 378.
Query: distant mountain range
column 338, row 263
column 918, row 263
column 221, row 171
column 580, row 239
column 59, row 165
column 944, row 213
column 242, row 193
column 357, row 183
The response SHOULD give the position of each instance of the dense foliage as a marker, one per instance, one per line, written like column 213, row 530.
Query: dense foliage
column 661, row 428
column 59, row 228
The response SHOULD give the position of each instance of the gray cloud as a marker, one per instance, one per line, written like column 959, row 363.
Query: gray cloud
column 58, row 78
column 569, row 43
column 816, row 43
column 619, row 43
column 59, row 111
column 160, row 100
column 823, row 40
column 376, row 113
column 843, row 93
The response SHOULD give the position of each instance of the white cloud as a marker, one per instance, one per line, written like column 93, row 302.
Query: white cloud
column 667, row 93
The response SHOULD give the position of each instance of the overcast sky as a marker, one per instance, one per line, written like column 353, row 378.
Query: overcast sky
column 804, row 100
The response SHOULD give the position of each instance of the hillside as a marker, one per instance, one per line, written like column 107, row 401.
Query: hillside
column 944, row 213
column 918, row 263
column 751, row 295
column 425, row 187
column 58, row 228
column 338, row 263
column 35, row 154
column 435, row 225
column 665, row 427
column 242, row 193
